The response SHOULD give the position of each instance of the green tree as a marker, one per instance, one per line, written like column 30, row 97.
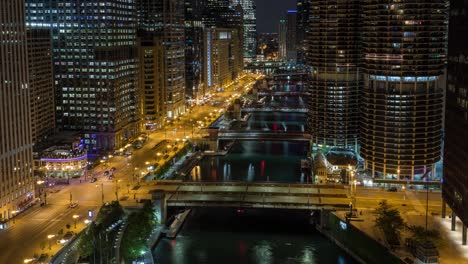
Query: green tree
column 85, row 244
column 420, row 234
column 390, row 222
column 139, row 228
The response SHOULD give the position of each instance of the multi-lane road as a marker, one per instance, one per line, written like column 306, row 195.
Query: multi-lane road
column 28, row 232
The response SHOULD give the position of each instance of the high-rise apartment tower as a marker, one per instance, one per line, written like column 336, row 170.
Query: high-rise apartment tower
column 335, row 77
column 404, row 52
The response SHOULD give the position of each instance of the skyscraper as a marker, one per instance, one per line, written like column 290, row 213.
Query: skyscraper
column 455, row 184
column 193, row 48
column 41, row 83
column 282, row 29
column 291, row 36
column 302, row 28
column 334, row 81
column 95, row 67
column 250, row 27
column 404, row 50
column 16, row 177
column 165, row 20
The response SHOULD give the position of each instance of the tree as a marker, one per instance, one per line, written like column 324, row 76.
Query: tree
column 421, row 235
column 85, row 244
column 140, row 226
column 390, row 221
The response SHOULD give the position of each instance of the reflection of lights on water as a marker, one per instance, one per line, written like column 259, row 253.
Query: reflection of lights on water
column 263, row 253
column 196, row 173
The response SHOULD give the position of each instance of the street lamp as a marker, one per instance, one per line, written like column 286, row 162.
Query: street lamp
column 75, row 217
column 404, row 193
column 49, row 237
column 102, row 192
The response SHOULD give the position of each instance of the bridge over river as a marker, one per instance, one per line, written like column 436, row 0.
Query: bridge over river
column 247, row 195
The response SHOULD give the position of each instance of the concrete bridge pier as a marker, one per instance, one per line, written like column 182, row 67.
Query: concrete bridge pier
column 444, row 208
column 464, row 234
column 160, row 203
column 454, row 221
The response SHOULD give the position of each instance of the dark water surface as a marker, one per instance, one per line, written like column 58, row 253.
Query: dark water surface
column 225, row 236
column 254, row 161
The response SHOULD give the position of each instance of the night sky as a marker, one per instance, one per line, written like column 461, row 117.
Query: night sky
column 269, row 12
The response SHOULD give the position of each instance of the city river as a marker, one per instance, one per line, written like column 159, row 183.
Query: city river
column 254, row 161
column 225, row 236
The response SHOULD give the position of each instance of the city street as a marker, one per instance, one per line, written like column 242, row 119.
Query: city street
column 30, row 230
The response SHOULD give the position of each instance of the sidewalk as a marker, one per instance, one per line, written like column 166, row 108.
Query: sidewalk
column 449, row 244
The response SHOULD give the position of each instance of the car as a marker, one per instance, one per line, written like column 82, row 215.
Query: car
column 392, row 189
column 113, row 169
column 74, row 204
column 106, row 173
column 94, row 179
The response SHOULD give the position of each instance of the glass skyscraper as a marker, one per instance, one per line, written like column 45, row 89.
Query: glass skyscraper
column 250, row 27
column 95, row 67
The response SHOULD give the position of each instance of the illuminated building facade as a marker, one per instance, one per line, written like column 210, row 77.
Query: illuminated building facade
column 302, row 28
column 282, row 29
column 250, row 27
column 193, row 48
column 335, row 77
column 404, row 52
column 455, row 183
column 291, row 36
column 16, row 162
column 95, row 67
column 152, row 81
column 165, row 20
column 217, row 57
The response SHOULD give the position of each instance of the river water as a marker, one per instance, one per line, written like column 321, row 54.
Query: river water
column 225, row 236
column 254, row 161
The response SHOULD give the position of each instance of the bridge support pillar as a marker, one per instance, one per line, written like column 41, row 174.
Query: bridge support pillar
column 464, row 234
column 454, row 221
column 444, row 208
column 160, row 203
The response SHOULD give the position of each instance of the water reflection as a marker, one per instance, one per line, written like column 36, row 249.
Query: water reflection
column 214, row 236
column 254, row 161
column 276, row 121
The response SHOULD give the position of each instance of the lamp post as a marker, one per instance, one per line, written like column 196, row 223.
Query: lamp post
column 102, row 192
column 49, row 237
column 75, row 217
column 404, row 193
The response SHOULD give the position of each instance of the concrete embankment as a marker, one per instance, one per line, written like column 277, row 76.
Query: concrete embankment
column 177, row 224
column 360, row 246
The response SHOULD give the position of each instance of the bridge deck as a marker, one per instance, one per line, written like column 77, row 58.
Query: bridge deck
column 241, row 194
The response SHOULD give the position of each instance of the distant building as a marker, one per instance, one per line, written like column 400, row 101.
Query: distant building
column 193, row 48
column 217, row 57
column 291, row 36
column 302, row 28
column 152, row 85
column 16, row 174
column 282, row 36
column 455, row 183
column 41, row 84
column 164, row 19
column 250, row 27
